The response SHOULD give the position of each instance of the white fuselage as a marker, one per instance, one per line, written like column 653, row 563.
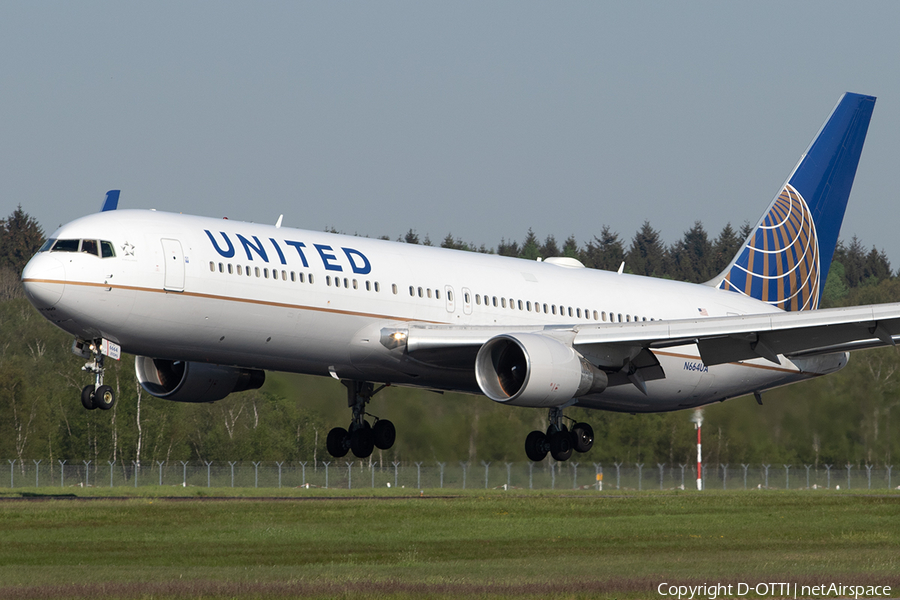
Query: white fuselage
column 257, row 296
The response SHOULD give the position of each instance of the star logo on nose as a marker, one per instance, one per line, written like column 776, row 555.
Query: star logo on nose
column 128, row 249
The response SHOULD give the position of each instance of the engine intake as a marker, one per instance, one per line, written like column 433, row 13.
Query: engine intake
column 180, row 381
column 530, row 369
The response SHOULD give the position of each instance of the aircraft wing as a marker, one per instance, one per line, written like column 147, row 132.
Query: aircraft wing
column 720, row 339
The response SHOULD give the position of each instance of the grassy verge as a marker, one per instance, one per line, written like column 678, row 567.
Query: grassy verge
column 478, row 544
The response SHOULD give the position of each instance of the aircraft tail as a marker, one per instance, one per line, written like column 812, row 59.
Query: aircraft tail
column 786, row 258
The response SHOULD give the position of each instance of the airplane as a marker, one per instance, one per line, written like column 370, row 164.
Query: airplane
column 208, row 305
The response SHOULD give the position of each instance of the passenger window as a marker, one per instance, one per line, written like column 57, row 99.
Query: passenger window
column 221, row 268
column 230, row 269
column 212, row 267
column 503, row 302
column 257, row 271
column 578, row 311
column 107, row 250
column 240, row 270
column 377, row 287
column 394, row 288
column 368, row 287
column 520, row 305
column 429, row 292
column 311, row 278
column 603, row 316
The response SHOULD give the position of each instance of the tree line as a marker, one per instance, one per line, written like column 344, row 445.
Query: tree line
column 847, row 417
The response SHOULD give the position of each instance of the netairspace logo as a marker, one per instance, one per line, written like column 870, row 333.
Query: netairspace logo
column 775, row 590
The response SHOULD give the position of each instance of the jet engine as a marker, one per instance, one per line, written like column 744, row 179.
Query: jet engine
column 193, row 382
column 530, row 369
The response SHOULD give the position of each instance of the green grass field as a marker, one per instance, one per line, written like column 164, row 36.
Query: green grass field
column 496, row 544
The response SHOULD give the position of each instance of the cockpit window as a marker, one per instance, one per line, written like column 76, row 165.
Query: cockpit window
column 90, row 247
column 95, row 247
column 47, row 245
column 66, row 246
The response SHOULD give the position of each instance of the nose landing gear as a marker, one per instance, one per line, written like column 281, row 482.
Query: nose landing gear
column 95, row 395
column 360, row 437
column 559, row 441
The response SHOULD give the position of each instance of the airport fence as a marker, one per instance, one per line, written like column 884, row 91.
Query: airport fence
column 359, row 474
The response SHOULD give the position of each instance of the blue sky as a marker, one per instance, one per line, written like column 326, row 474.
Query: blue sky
column 476, row 119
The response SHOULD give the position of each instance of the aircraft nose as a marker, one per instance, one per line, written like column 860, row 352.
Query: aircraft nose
column 44, row 279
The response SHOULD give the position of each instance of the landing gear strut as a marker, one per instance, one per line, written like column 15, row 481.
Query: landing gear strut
column 360, row 438
column 559, row 440
column 95, row 395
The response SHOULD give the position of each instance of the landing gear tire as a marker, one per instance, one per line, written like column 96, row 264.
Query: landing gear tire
column 87, row 397
column 536, row 446
column 561, row 445
column 362, row 442
column 104, row 397
column 336, row 442
column 384, row 434
column 584, row 437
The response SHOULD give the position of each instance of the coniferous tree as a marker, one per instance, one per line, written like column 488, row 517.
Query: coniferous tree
column 549, row 248
column 531, row 248
column 454, row 243
column 878, row 267
column 605, row 252
column 20, row 238
column 647, row 255
column 724, row 248
column 570, row 248
column 691, row 257
column 853, row 257
column 510, row 248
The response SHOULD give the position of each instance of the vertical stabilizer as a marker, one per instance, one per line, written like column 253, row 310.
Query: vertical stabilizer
column 786, row 258
column 111, row 202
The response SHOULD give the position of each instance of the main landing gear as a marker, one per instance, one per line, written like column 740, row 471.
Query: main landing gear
column 360, row 438
column 559, row 441
column 95, row 395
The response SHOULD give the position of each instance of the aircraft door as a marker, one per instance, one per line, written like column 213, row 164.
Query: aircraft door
column 174, row 265
column 451, row 300
column 467, row 301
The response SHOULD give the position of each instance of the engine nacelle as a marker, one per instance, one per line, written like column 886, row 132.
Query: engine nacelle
column 530, row 369
column 193, row 382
